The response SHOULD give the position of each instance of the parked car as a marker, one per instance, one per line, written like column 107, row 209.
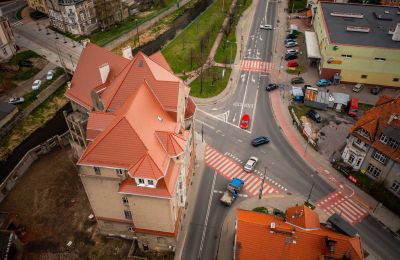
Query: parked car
column 297, row 80
column 314, row 115
column 375, row 90
column 245, row 122
column 16, row 100
column 36, row 84
column 358, row 87
column 271, row 86
column 50, row 75
column 293, row 63
column 290, row 44
column 290, row 40
column 25, row 63
column 291, row 36
column 292, row 51
column 250, row 164
column 259, row 141
column 323, row 83
column 266, row 26
column 290, row 56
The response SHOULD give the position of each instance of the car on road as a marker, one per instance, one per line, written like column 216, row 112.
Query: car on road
column 16, row 100
column 358, row 87
column 323, row 83
column 250, row 164
column 50, row 75
column 292, row 51
column 290, row 40
column 314, row 115
column 36, row 84
column 245, row 122
column 25, row 63
column 375, row 90
column 297, row 80
column 290, row 56
column 259, row 141
column 266, row 26
column 271, row 86
column 291, row 36
column 293, row 63
column 290, row 44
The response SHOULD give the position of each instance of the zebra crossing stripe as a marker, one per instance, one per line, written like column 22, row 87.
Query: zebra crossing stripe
column 234, row 171
column 230, row 168
column 215, row 159
column 345, row 212
column 210, row 154
column 354, row 209
column 255, row 187
column 222, row 163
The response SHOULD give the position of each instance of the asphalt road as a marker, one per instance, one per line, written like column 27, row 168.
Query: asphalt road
column 220, row 124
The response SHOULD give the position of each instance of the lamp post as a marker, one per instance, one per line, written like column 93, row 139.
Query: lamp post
column 72, row 63
column 137, row 32
column 312, row 187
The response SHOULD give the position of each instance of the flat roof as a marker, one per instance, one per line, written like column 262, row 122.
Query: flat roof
column 378, row 28
column 312, row 45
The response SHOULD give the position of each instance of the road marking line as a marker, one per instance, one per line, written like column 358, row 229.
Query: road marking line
column 210, row 126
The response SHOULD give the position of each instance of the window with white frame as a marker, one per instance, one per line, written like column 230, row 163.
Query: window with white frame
column 373, row 170
column 97, row 170
column 380, row 157
column 363, row 133
column 141, row 181
column 395, row 186
column 125, row 200
column 392, row 143
column 128, row 214
column 351, row 158
column 358, row 162
column 150, row 182
column 358, row 141
column 131, row 229
column 384, row 139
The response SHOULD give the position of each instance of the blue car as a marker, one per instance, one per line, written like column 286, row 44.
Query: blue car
column 323, row 83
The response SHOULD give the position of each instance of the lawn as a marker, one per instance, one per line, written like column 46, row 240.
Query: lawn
column 226, row 51
column 213, row 83
column 190, row 49
column 24, row 55
column 299, row 109
column 296, row 5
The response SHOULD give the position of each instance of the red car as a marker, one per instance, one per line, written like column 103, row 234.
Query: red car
column 293, row 63
column 245, row 122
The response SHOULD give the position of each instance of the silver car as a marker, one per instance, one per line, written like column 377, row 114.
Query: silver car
column 250, row 164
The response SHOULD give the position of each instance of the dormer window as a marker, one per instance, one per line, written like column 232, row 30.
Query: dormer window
column 363, row 133
column 145, row 182
column 384, row 139
column 150, row 182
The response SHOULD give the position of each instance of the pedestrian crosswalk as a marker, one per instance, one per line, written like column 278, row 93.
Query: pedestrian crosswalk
column 17, row 23
column 256, row 65
column 337, row 202
column 228, row 168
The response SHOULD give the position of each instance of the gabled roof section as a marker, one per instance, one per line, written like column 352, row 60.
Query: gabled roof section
column 97, row 123
column 160, row 60
column 87, row 77
column 190, row 108
column 173, row 144
column 303, row 216
column 146, row 168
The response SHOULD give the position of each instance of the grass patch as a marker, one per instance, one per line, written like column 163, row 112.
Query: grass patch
column 36, row 15
column 35, row 120
column 190, row 49
column 18, row 14
column 297, row 6
column 213, row 83
column 25, row 73
column 226, row 51
column 364, row 106
column 261, row 210
column 24, row 55
column 299, row 109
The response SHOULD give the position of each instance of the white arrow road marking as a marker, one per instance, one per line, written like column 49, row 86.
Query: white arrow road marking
column 234, row 118
column 224, row 116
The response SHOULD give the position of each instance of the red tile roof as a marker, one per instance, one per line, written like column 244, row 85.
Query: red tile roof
column 257, row 238
column 173, row 144
column 160, row 60
column 97, row 123
column 376, row 120
column 303, row 216
column 190, row 108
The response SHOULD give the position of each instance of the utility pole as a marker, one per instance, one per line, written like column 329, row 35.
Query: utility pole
column 262, row 183
column 312, row 187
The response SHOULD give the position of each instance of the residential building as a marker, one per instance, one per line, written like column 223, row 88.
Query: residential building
column 373, row 144
column 7, row 40
column 108, row 13
column 390, row 2
column 72, row 16
column 358, row 43
column 132, row 130
column 297, row 236
column 38, row 5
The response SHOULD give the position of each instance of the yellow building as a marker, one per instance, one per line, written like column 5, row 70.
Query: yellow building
column 38, row 5
column 359, row 43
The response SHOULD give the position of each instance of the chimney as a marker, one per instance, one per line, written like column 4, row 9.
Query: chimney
column 85, row 42
column 104, row 71
column 127, row 52
column 396, row 34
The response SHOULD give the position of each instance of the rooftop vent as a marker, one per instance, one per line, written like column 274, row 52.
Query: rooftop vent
column 396, row 33
column 104, row 71
column 127, row 52
column 386, row 12
column 352, row 15
column 352, row 28
column 382, row 16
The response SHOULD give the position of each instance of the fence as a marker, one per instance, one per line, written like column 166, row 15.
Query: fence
column 42, row 96
column 30, row 157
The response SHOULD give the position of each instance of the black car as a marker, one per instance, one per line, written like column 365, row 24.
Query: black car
column 314, row 115
column 290, row 56
column 259, row 141
column 375, row 90
column 25, row 63
column 271, row 87
column 297, row 80
column 291, row 36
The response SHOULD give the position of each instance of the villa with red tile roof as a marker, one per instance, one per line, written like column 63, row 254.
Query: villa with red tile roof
column 373, row 144
column 132, row 131
column 299, row 236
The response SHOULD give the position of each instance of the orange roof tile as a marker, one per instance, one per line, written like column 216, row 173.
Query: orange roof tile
column 87, row 77
column 173, row 144
column 160, row 60
column 146, row 168
column 97, row 123
column 190, row 108
column 303, row 216
column 257, row 239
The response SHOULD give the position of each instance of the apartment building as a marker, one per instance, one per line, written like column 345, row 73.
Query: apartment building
column 38, row 5
column 72, row 16
column 390, row 2
column 109, row 13
column 132, row 130
column 358, row 43
column 7, row 40
column 373, row 144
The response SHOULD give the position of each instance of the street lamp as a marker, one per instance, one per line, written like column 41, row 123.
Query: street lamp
column 72, row 63
column 137, row 32
column 312, row 187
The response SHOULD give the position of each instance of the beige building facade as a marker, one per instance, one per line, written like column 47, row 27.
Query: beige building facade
column 7, row 40
column 38, row 5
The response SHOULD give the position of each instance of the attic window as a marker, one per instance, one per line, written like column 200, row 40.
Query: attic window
column 140, row 63
column 352, row 28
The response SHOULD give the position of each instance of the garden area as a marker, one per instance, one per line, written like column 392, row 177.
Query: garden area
column 295, row 6
column 210, row 82
column 190, row 49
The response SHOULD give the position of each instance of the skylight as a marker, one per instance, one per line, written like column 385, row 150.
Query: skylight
column 352, row 15
column 352, row 28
